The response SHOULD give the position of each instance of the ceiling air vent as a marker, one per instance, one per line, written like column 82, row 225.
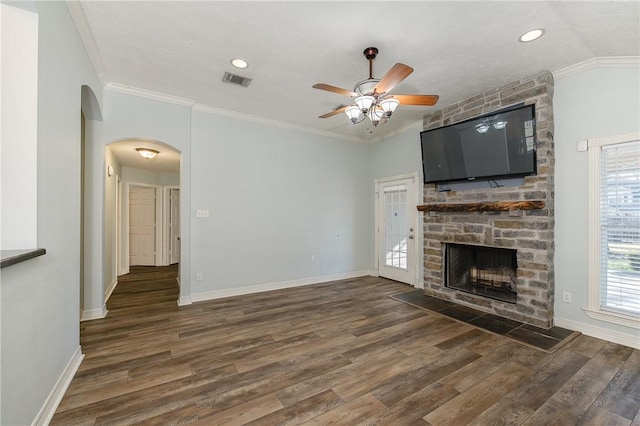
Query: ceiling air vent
column 236, row 79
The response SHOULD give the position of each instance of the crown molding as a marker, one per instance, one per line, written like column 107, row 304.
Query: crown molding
column 415, row 126
column 80, row 20
column 602, row 62
column 149, row 94
column 273, row 123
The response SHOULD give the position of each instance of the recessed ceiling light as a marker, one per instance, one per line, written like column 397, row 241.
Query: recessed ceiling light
column 239, row 63
column 531, row 35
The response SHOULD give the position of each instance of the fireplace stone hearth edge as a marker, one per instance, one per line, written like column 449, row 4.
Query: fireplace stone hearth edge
column 530, row 232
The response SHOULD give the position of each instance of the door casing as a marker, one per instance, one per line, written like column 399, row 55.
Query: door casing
column 414, row 199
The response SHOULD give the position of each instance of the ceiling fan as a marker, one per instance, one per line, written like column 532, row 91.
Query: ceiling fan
column 372, row 98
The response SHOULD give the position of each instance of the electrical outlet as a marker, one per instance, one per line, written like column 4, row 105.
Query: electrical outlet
column 199, row 276
column 312, row 258
column 202, row 213
column 566, row 297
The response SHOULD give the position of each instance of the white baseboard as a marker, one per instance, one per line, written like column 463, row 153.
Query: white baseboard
column 238, row 291
column 625, row 339
column 112, row 286
column 184, row 300
column 93, row 314
column 53, row 400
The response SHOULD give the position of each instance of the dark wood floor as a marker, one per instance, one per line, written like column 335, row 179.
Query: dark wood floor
column 337, row 353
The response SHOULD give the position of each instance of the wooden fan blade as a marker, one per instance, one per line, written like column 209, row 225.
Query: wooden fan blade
column 396, row 74
column 424, row 100
column 334, row 89
column 334, row 112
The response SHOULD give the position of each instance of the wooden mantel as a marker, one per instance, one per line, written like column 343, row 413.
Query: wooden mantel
column 483, row 206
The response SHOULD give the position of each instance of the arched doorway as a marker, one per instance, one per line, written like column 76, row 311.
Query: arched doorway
column 141, row 208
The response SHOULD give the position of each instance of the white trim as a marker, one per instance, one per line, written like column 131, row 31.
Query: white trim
column 239, row 291
column 92, row 314
column 612, row 140
column 593, row 309
column 417, row 240
column 149, row 94
column 612, row 317
column 166, row 241
column 112, row 286
column 272, row 123
column 55, row 396
column 602, row 62
column 184, row 301
column 599, row 332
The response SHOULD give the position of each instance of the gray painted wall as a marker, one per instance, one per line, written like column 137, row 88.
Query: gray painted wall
column 40, row 298
column 596, row 102
column 276, row 196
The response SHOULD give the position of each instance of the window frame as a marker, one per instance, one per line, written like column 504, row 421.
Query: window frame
column 593, row 310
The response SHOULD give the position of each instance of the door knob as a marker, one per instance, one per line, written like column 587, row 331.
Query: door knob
column 410, row 237
column 411, row 229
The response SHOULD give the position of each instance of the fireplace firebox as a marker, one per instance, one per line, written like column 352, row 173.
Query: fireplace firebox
column 486, row 271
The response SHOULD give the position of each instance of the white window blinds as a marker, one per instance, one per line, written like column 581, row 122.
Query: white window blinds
column 620, row 228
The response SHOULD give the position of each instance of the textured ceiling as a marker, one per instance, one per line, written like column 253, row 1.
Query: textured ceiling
column 457, row 49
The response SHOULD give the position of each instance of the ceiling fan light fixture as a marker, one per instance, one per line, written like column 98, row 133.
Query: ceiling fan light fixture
column 366, row 87
column 371, row 96
column 353, row 112
column 389, row 105
column 147, row 153
column 365, row 102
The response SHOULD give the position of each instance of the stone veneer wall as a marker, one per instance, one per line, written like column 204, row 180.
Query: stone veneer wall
column 531, row 232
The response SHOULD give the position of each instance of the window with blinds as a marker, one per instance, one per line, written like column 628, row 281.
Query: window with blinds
column 620, row 228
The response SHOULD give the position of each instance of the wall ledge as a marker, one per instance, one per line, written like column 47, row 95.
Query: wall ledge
column 482, row 206
column 11, row 257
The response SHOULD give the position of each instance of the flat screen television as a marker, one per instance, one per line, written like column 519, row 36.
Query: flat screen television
column 501, row 144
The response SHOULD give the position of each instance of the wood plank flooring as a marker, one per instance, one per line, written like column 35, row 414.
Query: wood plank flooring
column 340, row 353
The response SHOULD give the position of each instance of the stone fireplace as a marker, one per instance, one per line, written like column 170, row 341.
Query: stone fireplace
column 517, row 218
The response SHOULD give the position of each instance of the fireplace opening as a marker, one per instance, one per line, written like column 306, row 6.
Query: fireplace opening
column 485, row 271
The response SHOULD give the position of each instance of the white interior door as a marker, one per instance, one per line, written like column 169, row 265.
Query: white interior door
column 142, row 223
column 396, row 229
column 174, row 226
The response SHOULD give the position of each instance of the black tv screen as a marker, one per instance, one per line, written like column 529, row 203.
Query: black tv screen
column 497, row 145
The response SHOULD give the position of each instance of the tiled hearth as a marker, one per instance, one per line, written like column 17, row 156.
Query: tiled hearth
column 546, row 339
column 530, row 232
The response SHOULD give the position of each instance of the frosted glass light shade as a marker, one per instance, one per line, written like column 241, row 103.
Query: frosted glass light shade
column 389, row 105
column 375, row 114
column 147, row 153
column 365, row 102
column 499, row 125
column 353, row 112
